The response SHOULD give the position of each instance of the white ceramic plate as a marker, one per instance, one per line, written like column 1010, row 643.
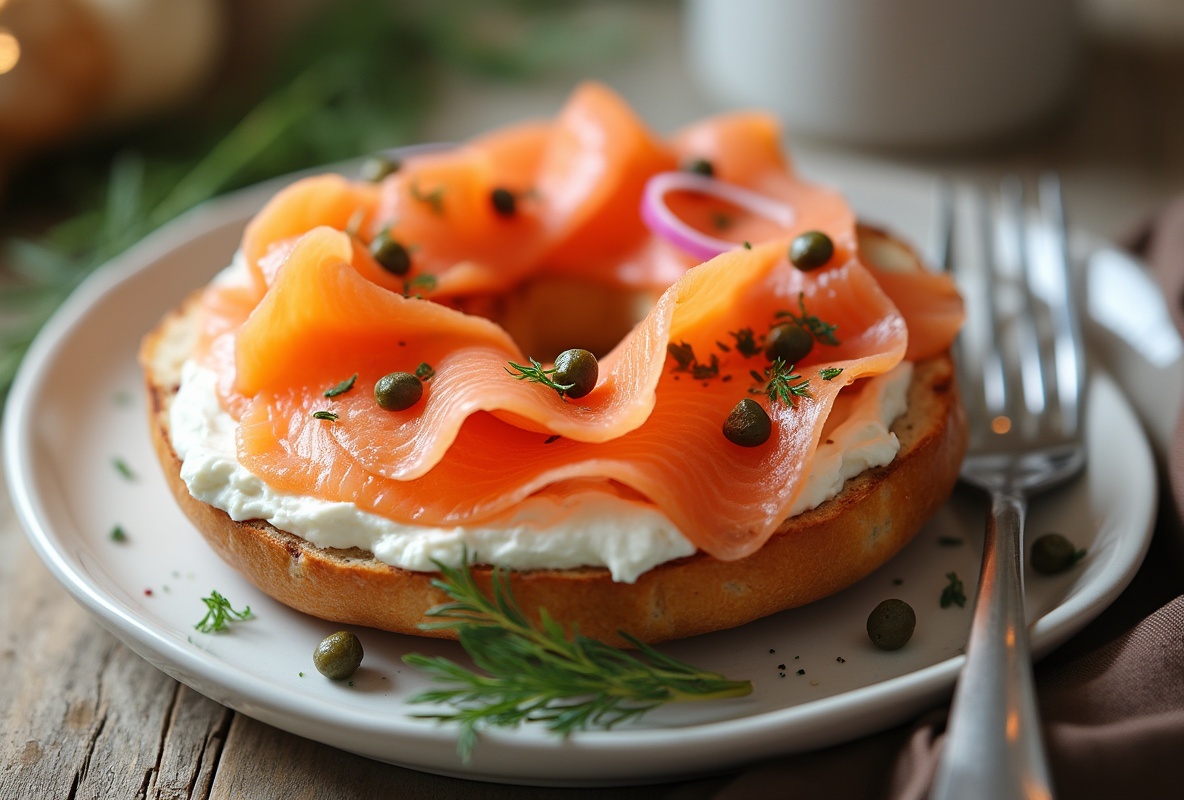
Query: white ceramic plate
column 77, row 407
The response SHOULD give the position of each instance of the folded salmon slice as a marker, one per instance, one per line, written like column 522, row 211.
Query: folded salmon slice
column 647, row 426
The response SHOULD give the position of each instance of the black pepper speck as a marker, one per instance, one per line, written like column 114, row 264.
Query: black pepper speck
column 801, row 672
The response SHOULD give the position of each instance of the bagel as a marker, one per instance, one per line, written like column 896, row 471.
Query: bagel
column 810, row 556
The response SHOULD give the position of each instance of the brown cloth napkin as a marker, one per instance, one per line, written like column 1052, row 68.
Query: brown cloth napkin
column 1111, row 699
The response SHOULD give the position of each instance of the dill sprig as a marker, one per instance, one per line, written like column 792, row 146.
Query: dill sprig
column 777, row 383
column 536, row 374
column 538, row 673
column 830, row 373
column 822, row 331
column 219, row 613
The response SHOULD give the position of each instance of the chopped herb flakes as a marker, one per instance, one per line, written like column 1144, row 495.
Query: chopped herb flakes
column 830, row 373
column 425, row 282
column 219, row 613
column 118, row 534
column 342, row 387
column 434, row 198
column 705, row 371
column 954, row 592
column 746, row 343
column 683, row 355
column 552, row 439
column 424, row 371
column 949, row 541
column 331, row 416
column 720, row 221
column 122, row 468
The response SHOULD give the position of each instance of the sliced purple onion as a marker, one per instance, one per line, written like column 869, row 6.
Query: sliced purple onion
column 663, row 222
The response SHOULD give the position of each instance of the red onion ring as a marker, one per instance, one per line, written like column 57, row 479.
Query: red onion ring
column 663, row 222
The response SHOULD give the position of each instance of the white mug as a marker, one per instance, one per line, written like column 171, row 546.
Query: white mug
column 888, row 73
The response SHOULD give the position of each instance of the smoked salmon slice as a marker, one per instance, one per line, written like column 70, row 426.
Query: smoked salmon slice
column 318, row 309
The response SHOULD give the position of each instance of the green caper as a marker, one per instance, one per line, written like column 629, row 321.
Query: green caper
column 1052, row 553
column 578, row 368
column 504, row 202
column 376, row 168
column 748, row 425
column 811, row 250
column 398, row 391
column 891, row 624
column 788, row 342
column 390, row 254
column 338, row 655
column 700, row 166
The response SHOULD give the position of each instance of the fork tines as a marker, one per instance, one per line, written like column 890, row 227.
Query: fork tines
column 1023, row 328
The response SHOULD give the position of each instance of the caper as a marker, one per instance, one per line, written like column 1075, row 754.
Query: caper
column 578, row 368
column 811, row 250
column 504, row 202
column 700, row 166
column 398, row 391
column 891, row 624
column 788, row 342
column 390, row 254
column 1053, row 553
column 748, row 425
column 376, row 168
column 338, row 655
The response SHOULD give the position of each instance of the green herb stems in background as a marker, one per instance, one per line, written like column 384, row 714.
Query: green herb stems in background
column 360, row 79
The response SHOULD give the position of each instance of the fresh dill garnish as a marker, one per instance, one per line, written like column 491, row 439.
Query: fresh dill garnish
column 426, row 282
column 118, row 534
column 702, row 372
column 683, row 355
column 434, row 198
column 823, row 332
column 747, row 245
column 746, row 343
column 536, row 374
column 830, row 373
column 954, row 592
column 539, row 672
column 123, row 469
column 342, row 387
column 219, row 613
column 331, row 416
column 778, row 383
column 424, row 371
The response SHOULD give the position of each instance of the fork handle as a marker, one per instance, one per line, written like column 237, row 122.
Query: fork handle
column 993, row 747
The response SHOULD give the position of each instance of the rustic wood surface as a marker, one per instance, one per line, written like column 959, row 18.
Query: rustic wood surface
column 84, row 717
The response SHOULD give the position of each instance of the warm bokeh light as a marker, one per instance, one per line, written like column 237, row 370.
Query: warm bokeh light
column 1000, row 425
column 10, row 49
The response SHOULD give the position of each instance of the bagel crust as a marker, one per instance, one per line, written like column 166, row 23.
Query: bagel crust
column 810, row 556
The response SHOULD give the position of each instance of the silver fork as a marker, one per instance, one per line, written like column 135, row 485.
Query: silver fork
column 1024, row 406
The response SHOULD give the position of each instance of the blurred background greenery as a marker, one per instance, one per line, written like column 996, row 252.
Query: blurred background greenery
column 278, row 86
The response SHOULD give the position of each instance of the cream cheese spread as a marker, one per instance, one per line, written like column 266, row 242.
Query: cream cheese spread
column 586, row 528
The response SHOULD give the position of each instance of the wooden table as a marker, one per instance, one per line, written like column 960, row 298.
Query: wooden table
column 85, row 717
